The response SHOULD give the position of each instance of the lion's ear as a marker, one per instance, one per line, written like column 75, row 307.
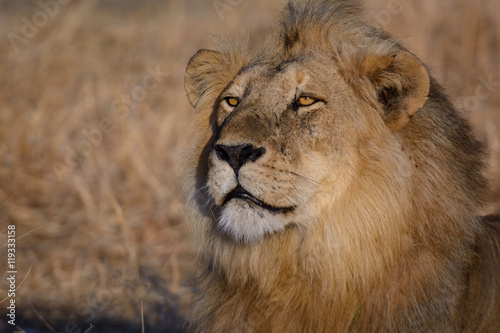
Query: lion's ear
column 402, row 85
column 203, row 71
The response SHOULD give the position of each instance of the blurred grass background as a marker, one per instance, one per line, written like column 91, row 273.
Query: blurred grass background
column 100, row 234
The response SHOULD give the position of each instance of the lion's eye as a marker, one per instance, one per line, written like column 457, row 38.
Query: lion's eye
column 306, row 101
column 232, row 101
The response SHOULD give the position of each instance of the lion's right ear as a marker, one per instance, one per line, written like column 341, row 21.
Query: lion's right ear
column 209, row 72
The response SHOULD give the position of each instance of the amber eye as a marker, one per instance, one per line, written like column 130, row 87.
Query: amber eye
column 306, row 101
column 232, row 101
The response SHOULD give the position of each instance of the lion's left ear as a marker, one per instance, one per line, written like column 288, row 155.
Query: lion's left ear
column 401, row 83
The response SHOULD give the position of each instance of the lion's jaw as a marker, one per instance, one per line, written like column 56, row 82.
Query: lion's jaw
column 241, row 216
column 253, row 206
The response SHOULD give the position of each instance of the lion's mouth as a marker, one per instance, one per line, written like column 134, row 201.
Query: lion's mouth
column 240, row 193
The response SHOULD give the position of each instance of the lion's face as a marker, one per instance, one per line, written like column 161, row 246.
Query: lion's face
column 282, row 139
column 289, row 134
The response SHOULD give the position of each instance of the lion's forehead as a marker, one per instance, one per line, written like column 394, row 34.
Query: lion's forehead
column 266, row 78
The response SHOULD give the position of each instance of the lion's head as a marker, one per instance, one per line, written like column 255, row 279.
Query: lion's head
column 289, row 130
column 295, row 129
column 334, row 153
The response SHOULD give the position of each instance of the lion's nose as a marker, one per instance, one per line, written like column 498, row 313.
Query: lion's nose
column 237, row 156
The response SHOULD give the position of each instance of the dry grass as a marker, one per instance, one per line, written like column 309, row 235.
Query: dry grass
column 102, row 239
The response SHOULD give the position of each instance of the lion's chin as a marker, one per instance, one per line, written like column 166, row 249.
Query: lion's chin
column 248, row 223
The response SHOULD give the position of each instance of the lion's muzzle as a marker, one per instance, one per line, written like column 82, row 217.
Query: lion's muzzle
column 237, row 156
column 240, row 193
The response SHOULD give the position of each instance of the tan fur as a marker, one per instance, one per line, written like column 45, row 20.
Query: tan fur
column 363, row 209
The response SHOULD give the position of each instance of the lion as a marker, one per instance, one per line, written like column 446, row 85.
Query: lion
column 331, row 186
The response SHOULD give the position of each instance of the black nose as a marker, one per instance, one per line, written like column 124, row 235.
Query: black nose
column 236, row 156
